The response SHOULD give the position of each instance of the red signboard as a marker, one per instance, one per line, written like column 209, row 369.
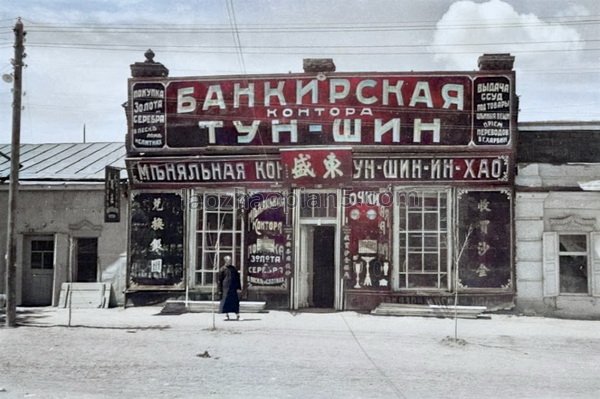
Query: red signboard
column 385, row 109
column 297, row 167
column 307, row 167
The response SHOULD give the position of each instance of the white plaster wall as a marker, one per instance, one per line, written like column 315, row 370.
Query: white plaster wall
column 50, row 210
column 534, row 214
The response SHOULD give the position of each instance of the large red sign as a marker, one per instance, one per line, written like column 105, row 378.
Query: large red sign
column 327, row 168
column 175, row 115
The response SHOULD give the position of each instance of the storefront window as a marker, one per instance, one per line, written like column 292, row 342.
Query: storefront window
column 573, row 263
column 423, row 239
column 219, row 228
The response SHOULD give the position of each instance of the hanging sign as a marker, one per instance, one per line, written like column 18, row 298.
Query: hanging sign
column 112, row 194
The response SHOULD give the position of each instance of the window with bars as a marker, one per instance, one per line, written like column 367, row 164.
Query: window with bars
column 219, row 232
column 423, row 239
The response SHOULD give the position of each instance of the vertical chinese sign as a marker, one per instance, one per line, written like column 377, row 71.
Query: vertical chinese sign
column 156, row 241
column 366, row 255
column 268, row 241
column 112, row 194
column 486, row 261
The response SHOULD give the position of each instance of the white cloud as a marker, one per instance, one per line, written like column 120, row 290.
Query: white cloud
column 470, row 28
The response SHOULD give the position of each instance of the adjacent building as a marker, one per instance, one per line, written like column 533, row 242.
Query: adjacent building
column 558, row 219
column 64, row 230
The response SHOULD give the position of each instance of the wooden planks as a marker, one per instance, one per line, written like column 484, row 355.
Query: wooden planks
column 447, row 311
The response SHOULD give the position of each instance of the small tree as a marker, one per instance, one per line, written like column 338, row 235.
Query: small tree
column 457, row 254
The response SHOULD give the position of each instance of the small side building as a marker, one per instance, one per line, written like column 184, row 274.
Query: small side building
column 60, row 220
column 557, row 219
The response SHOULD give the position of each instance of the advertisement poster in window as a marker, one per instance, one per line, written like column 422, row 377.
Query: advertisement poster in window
column 156, row 241
column 366, row 250
column 486, row 260
column 269, row 244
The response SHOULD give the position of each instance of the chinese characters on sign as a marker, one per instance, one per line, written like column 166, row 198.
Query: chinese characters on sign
column 112, row 195
column 324, row 167
column 156, row 254
column 487, row 258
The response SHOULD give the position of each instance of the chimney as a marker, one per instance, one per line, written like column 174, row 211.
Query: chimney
column 496, row 62
column 317, row 65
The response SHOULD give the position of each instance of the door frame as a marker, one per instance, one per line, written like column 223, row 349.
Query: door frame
column 28, row 274
column 301, row 251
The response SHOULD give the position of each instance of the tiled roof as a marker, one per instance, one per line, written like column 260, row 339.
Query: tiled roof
column 65, row 161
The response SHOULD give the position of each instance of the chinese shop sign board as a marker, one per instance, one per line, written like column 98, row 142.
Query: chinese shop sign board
column 156, row 241
column 269, row 256
column 112, row 194
column 175, row 115
column 297, row 167
column 309, row 167
column 486, row 261
column 366, row 237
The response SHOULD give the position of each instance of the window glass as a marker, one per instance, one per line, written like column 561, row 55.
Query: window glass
column 573, row 264
column 42, row 254
column 422, row 227
column 219, row 232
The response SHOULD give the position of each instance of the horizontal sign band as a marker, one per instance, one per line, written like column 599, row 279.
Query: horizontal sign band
column 363, row 169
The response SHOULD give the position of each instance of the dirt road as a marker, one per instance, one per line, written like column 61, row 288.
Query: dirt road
column 137, row 353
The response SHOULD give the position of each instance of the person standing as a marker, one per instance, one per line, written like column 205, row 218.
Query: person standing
column 229, row 288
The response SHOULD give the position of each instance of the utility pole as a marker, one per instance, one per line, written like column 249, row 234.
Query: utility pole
column 11, row 252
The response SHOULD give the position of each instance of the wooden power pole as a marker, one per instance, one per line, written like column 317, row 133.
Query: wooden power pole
column 11, row 253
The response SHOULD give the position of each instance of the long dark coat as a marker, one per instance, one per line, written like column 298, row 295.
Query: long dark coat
column 229, row 283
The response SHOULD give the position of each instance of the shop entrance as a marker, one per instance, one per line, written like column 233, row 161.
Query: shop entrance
column 317, row 251
column 317, row 267
column 323, row 259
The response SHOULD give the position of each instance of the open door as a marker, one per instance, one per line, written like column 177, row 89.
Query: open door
column 323, row 259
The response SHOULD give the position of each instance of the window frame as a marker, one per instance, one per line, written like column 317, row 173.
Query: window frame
column 42, row 252
column 443, row 239
column 585, row 253
column 200, row 247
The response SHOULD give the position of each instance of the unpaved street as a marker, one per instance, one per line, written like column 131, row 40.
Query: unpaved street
column 137, row 353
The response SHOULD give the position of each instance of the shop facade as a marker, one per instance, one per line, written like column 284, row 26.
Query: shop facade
column 328, row 189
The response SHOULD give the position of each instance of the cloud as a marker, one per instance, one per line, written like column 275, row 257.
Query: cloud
column 470, row 28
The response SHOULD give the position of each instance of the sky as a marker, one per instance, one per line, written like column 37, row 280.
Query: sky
column 79, row 52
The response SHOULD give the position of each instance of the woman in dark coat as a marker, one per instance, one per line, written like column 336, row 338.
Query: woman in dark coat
column 229, row 284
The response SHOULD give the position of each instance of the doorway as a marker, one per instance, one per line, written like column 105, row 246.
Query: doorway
column 87, row 260
column 38, row 271
column 317, row 267
column 323, row 259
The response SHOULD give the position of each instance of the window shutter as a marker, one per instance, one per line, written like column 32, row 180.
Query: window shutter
column 595, row 264
column 550, row 259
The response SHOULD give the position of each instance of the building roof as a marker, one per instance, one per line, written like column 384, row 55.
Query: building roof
column 558, row 142
column 64, row 161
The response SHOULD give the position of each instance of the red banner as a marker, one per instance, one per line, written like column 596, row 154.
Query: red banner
column 309, row 167
column 295, row 110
